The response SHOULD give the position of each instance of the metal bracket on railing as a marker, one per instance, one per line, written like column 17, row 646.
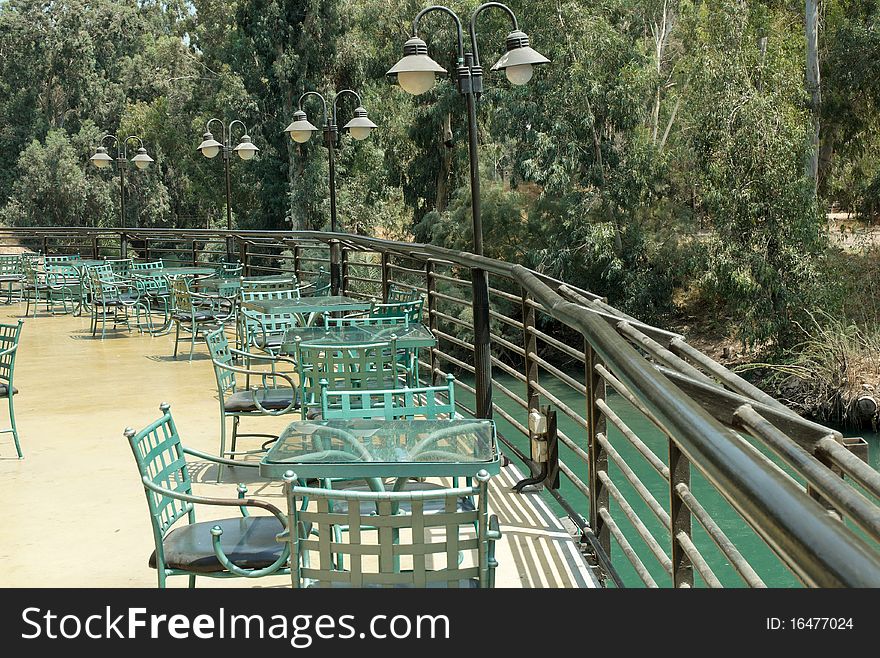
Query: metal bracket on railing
column 544, row 450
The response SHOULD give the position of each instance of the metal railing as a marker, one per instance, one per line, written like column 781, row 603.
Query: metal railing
column 652, row 510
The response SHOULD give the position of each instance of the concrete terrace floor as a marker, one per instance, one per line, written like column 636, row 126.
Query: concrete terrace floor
column 74, row 506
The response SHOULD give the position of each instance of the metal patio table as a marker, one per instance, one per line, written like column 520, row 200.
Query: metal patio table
column 308, row 305
column 409, row 337
column 177, row 271
column 375, row 448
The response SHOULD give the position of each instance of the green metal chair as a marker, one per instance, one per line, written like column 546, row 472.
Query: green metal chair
column 230, row 270
column 195, row 314
column 408, row 359
column 121, row 267
column 9, row 338
column 411, row 310
column 320, row 284
column 344, row 367
column 49, row 287
column 276, row 396
column 231, row 547
column 111, row 299
column 398, row 293
column 265, row 331
column 155, row 293
column 249, row 327
column 11, row 273
column 380, row 538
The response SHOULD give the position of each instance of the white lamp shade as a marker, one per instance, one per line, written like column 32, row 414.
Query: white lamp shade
column 210, row 147
column 416, row 71
column 246, row 149
column 101, row 160
column 416, row 82
column 519, row 74
column 300, row 129
column 142, row 160
column 360, row 126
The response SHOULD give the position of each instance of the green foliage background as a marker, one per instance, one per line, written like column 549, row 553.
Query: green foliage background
column 659, row 160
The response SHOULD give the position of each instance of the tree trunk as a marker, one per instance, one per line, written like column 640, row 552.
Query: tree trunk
column 811, row 11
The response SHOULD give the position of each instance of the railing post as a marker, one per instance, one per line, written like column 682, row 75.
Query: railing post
column 297, row 269
column 195, row 252
column 482, row 346
column 335, row 258
column 386, row 275
column 680, row 516
column 598, row 457
column 243, row 257
column 343, row 258
column 123, row 245
column 530, row 343
column 431, row 286
column 95, row 247
column 45, row 245
column 147, row 247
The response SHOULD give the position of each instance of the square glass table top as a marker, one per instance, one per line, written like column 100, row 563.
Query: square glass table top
column 371, row 448
column 329, row 303
column 408, row 335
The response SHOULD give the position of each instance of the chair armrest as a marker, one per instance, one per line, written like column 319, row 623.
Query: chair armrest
column 218, row 460
column 9, row 351
column 494, row 531
column 220, row 502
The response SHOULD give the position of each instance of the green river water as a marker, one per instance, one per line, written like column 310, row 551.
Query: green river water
column 765, row 563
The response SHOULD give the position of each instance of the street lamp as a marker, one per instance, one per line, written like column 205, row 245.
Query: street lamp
column 211, row 148
column 102, row 160
column 301, row 130
column 416, row 73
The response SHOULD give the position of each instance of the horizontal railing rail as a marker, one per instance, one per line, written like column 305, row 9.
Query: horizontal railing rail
column 675, row 470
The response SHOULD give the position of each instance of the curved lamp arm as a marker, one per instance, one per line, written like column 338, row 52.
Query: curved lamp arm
column 455, row 17
column 336, row 99
column 125, row 142
column 479, row 10
column 323, row 102
column 222, row 128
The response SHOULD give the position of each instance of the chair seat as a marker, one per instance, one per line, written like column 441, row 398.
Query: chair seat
column 269, row 341
column 200, row 316
column 4, row 390
column 248, row 541
column 121, row 300
column 274, row 399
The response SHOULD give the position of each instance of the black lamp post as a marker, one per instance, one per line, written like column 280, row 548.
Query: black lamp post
column 211, row 148
column 101, row 159
column 301, row 131
column 416, row 74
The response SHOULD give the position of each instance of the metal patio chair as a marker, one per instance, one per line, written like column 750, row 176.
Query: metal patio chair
column 385, row 546
column 429, row 402
column 398, row 293
column 11, row 273
column 9, row 339
column 151, row 265
column 276, row 396
column 249, row 328
column 344, row 367
column 112, row 298
column 225, row 548
column 195, row 314
column 283, row 281
column 265, row 331
column 408, row 359
column 48, row 287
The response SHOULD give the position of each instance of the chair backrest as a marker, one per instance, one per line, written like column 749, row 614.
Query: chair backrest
column 11, row 264
column 181, row 297
column 9, row 337
column 218, row 347
column 259, row 326
column 59, row 264
column 155, row 285
column 120, row 266
column 147, row 265
column 348, row 367
column 230, row 270
column 384, row 547
column 429, row 402
column 263, row 295
column 411, row 310
column 160, row 459
column 260, row 283
column 320, row 285
column 398, row 293
column 366, row 321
